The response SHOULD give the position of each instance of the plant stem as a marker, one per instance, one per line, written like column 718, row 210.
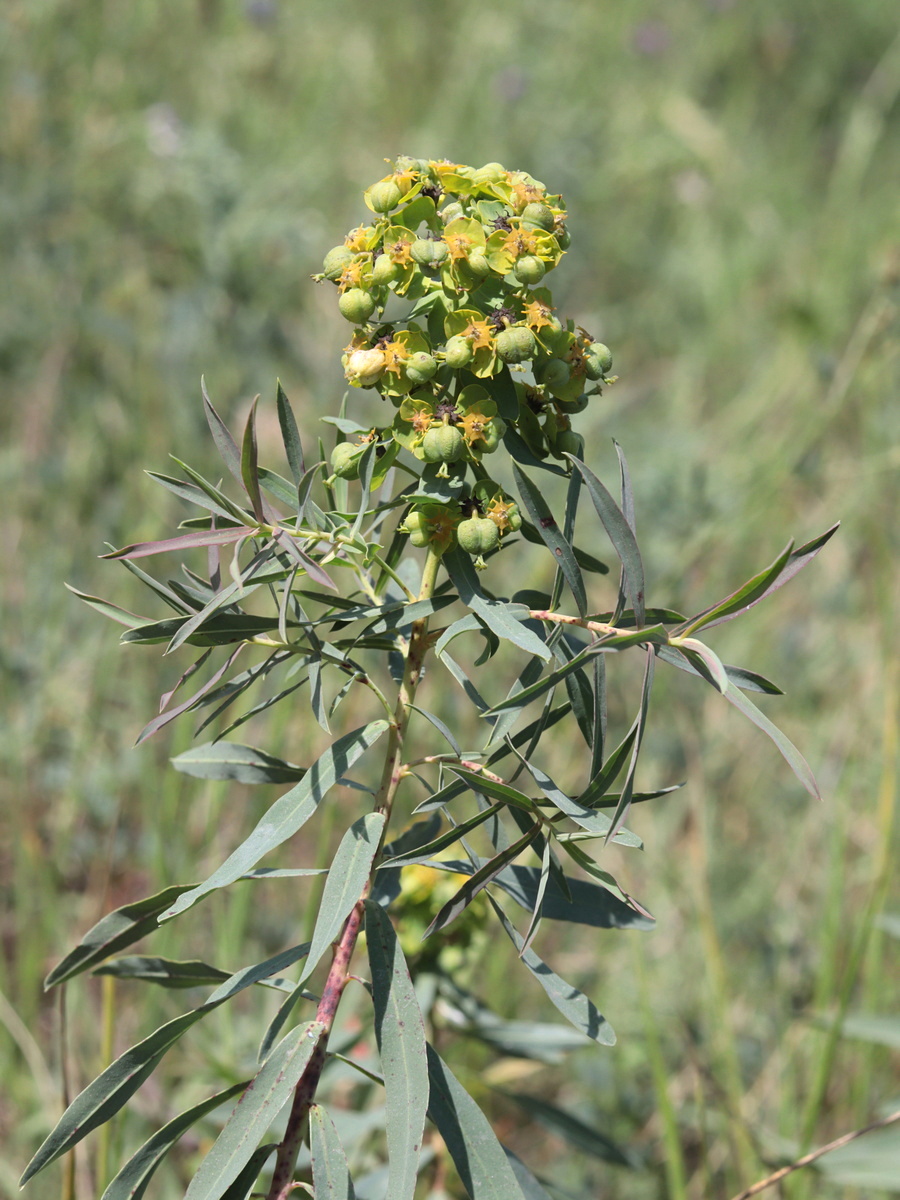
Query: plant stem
column 392, row 772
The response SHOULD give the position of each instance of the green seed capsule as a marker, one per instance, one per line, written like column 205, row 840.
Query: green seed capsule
column 604, row 355
column 478, row 535
column 458, row 352
column 335, row 261
column 477, row 262
column 516, row 344
column 417, row 528
column 356, row 305
column 420, row 367
column 537, row 216
column 384, row 196
column 451, row 212
column 345, row 460
column 491, row 435
column 530, row 269
column 444, row 444
column 572, row 407
column 569, row 442
column 428, row 253
column 555, row 373
column 385, row 271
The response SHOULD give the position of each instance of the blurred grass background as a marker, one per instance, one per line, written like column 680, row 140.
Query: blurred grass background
column 172, row 173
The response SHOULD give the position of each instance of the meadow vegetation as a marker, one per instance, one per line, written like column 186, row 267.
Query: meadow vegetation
column 173, row 174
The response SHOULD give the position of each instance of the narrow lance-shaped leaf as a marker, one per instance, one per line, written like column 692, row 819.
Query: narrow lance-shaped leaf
column 166, row 972
column 250, row 462
column 622, row 537
column 344, row 886
column 267, row 1094
column 347, row 878
column 572, row 1003
column 519, row 699
column 331, row 1175
column 132, row 1181
column 477, row 882
column 288, row 813
column 225, row 443
column 112, row 933
column 192, row 494
column 477, row 1155
column 290, row 434
column 553, row 537
column 740, row 600
column 448, row 838
column 184, row 541
column 235, row 591
column 726, row 610
column 242, row 1187
column 400, row 1032
column 748, row 681
column 103, row 1098
column 107, row 609
column 231, row 760
column 621, row 813
column 498, row 616
column 237, row 512
column 168, row 715
column 586, row 561
column 485, row 786
column 795, row 759
column 705, row 662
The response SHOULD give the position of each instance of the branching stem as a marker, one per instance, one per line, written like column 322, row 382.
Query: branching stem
column 282, row 1179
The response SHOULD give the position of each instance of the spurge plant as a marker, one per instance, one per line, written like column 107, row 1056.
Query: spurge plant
column 365, row 584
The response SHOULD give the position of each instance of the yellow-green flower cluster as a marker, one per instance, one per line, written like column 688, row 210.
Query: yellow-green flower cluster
column 444, row 285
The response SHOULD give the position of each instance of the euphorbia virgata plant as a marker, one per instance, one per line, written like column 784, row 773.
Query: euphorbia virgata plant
column 376, row 573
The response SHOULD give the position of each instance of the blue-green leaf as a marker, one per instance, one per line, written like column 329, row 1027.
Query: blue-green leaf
column 477, row 1155
column 331, row 1175
column 553, row 538
column 132, row 1181
column 288, row 813
column 115, row 931
column 503, row 619
column 266, row 1095
column 231, row 760
column 290, row 434
column 572, row 1003
column 166, row 972
column 346, row 880
column 479, row 880
column 622, row 537
column 400, row 1032
column 795, row 759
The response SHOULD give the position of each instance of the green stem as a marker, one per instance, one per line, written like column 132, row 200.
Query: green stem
column 392, row 772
